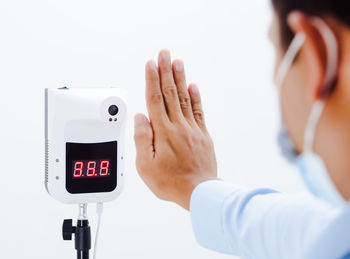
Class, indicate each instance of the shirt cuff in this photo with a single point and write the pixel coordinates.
(206, 207)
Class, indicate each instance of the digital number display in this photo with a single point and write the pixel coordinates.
(91, 168)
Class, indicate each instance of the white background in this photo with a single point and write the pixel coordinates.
(54, 43)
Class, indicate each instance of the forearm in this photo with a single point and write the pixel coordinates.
(258, 223)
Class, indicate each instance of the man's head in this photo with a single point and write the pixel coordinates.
(305, 80)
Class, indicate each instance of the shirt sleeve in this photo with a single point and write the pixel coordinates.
(259, 223)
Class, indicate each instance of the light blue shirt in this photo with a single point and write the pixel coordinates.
(263, 223)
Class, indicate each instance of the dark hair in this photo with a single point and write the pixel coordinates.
(339, 9)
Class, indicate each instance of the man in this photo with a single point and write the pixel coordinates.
(175, 154)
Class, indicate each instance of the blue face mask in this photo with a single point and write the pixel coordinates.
(311, 166)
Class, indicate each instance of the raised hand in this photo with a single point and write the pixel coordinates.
(174, 150)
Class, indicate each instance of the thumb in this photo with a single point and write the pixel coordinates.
(143, 136)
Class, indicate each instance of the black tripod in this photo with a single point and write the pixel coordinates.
(81, 231)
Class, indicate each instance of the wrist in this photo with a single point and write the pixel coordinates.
(188, 186)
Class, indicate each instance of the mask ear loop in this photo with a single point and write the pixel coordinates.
(330, 76)
(282, 72)
(288, 59)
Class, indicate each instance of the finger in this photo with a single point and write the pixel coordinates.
(197, 109)
(168, 86)
(143, 137)
(184, 97)
(154, 97)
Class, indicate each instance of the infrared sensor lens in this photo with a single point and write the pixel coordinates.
(113, 110)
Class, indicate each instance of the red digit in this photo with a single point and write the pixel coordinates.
(91, 168)
(104, 168)
(78, 169)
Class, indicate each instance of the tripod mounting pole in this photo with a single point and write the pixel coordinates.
(82, 233)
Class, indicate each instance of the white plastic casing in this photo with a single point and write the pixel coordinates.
(80, 115)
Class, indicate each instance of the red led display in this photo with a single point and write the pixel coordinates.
(78, 169)
(91, 168)
(104, 168)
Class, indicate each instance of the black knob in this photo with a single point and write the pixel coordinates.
(67, 229)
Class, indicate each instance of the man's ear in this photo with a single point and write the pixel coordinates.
(313, 53)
